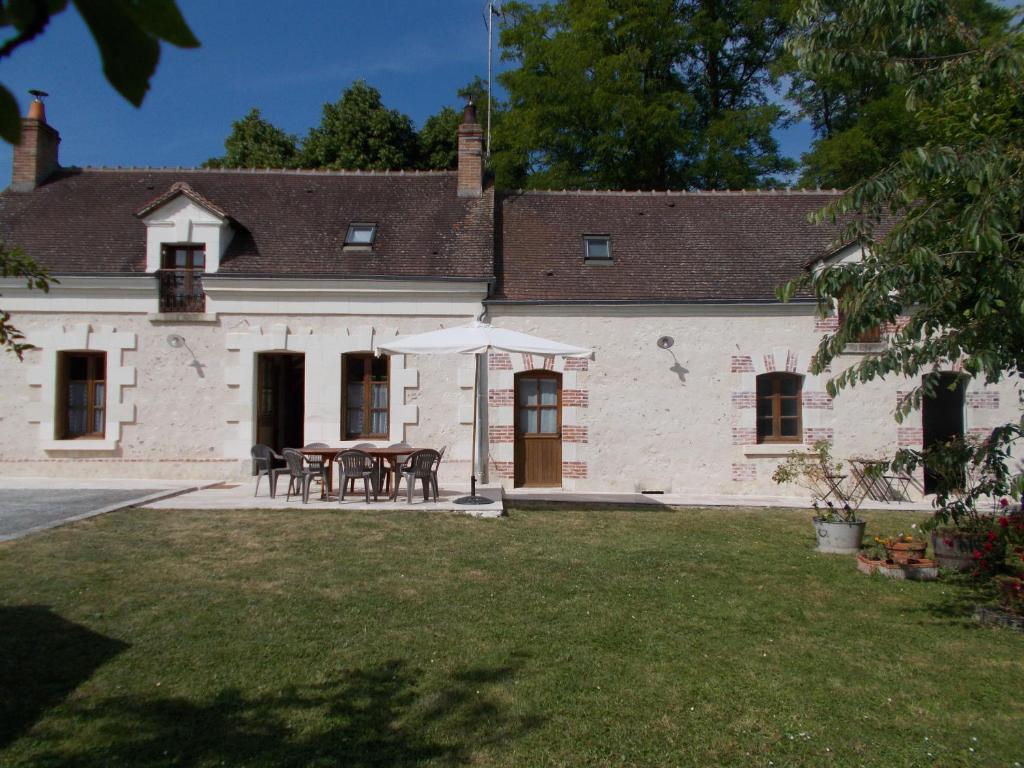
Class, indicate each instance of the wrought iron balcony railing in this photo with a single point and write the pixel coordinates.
(181, 290)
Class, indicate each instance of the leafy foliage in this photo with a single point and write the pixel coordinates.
(14, 262)
(826, 478)
(946, 271)
(256, 143)
(127, 32)
(358, 131)
(655, 93)
(859, 113)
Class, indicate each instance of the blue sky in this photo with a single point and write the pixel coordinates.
(288, 59)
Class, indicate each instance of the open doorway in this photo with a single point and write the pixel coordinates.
(942, 418)
(280, 399)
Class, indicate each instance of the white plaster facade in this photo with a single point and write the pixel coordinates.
(643, 418)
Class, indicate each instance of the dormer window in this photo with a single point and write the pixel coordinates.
(597, 249)
(361, 235)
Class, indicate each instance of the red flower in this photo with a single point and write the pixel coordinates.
(948, 541)
(988, 546)
(1004, 521)
(992, 536)
(977, 554)
(1003, 502)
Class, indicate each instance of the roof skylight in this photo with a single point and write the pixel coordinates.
(361, 234)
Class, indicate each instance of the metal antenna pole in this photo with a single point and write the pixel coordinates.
(490, 23)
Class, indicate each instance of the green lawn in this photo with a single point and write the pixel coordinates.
(321, 638)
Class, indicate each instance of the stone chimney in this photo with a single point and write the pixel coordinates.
(35, 157)
(471, 154)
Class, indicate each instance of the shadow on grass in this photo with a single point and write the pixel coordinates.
(43, 658)
(379, 716)
(954, 600)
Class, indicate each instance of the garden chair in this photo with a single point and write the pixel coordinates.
(358, 447)
(421, 465)
(399, 461)
(300, 475)
(317, 462)
(353, 465)
(269, 463)
(433, 472)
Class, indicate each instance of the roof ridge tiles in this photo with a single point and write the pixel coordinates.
(677, 192)
(281, 171)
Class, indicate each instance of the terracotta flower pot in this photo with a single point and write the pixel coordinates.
(905, 551)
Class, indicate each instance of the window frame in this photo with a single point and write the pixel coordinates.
(356, 225)
(776, 378)
(63, 404)
(368, 410)
(587, 240)
(535, 411)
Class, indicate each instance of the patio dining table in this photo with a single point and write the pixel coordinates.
(390, 455)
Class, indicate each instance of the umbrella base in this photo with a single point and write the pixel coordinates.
(473, 500)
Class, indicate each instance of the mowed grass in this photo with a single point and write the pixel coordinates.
(604, 638)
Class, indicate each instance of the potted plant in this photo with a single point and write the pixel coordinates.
(903, 547)
(969, 472)
(837, 527)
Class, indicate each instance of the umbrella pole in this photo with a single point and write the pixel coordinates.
(473, 498)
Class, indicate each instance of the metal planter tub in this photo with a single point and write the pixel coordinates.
(839, 538)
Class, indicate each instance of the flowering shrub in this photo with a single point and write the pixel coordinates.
(1003, 545)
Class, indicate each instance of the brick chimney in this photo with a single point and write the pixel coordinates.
(471, 154)
(35, 156)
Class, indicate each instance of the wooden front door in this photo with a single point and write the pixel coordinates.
(280, 399)
(538, 447)
(942, 419)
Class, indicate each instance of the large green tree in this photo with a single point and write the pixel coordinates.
(642, 93)
(439, 135)
(859, 115)
(256, 143)
(359, 132)
(947, 269)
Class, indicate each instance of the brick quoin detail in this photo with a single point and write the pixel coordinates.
(814, 434)
(791, 362)
(819, 400)
(528, 362)
(575, 398)
(576, 470)
(909, 436)
(742, 472)
(828, 324)
(505, 469)
(744, 400)
(979, 433)
(742, 364)
(549, 363)
(577, 364)
(890, 329)
(769, 363)
(744, 436)
(499, 361)
(573, 434)
(982, 399)
(499, 397)
(500, 434)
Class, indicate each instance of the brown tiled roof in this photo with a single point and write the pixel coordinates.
(287, 222)
(180, 188)
(666, 246)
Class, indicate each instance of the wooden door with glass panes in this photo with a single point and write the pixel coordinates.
(538, 434)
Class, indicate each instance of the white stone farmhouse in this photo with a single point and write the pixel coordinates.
(201, 311)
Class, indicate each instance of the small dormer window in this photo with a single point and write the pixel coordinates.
(597, 249)
(361, 234)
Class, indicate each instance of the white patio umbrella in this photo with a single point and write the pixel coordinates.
(476, 339)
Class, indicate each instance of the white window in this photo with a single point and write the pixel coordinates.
(361, 234)
(597, 248)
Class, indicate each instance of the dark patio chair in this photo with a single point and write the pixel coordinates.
(399, 461)
(300, 474)
(421, 465)
(353, 465)
(358, 447)
(268, 463)
(433, 472)
(317, 462)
